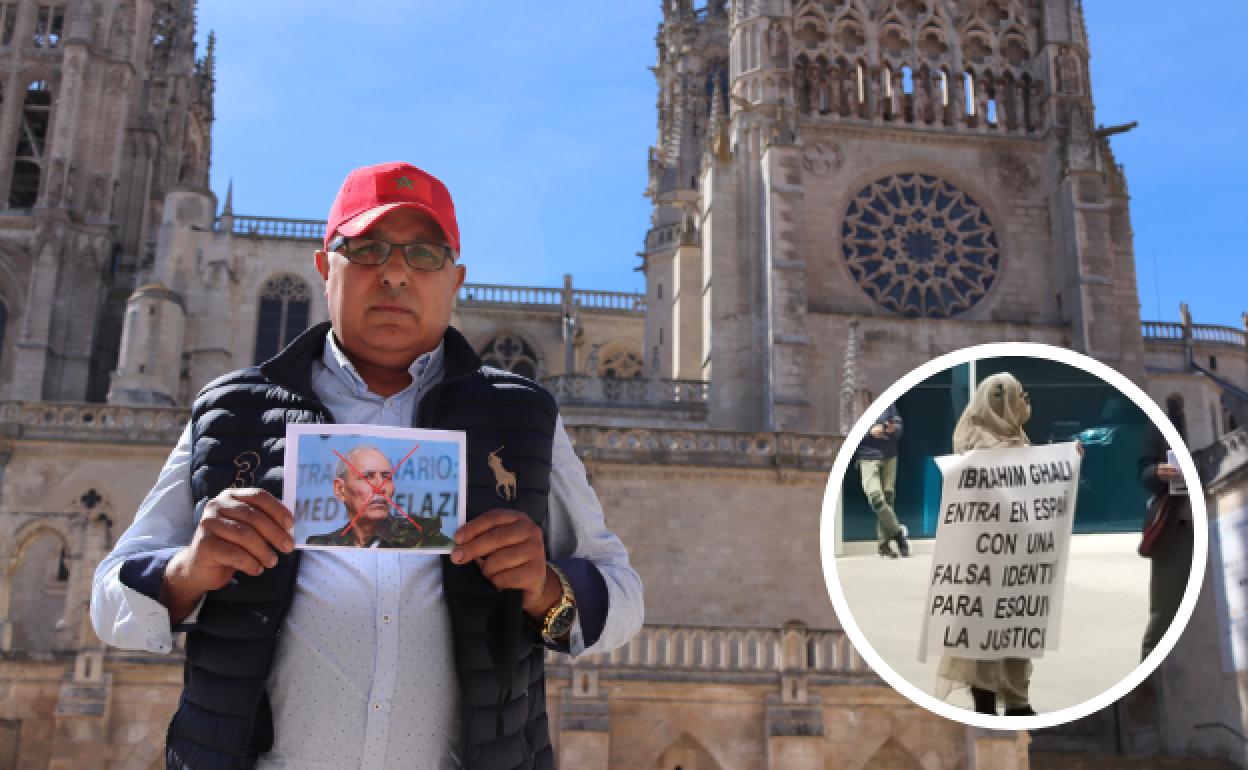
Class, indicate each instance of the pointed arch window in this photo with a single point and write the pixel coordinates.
(8, 22)
(511, 353)
(284, 304)
(1174, 410)
(49, 24)
(32, 134)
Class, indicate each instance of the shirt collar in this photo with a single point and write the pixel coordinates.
(425, 368)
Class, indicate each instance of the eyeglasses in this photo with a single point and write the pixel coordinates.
(425, 257)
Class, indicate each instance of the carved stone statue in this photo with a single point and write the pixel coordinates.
(98, 199)
(851, 92)
(832, 89)
(873, 96)
(1067, 72)
(957, 102)
(777, 45)
(1005, 105)
(56, 180)
(801, 83)
(822, 103)
(920, 99)
(1035, 103)
(591, 363)
(1021, 107)
(981, 103)
(895, 107)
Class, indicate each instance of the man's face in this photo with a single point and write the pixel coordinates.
(365, 492)
(389, 314)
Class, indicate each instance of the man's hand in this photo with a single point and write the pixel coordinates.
(877, 431)
(239, 531)
(1167, 472)
(508, 548)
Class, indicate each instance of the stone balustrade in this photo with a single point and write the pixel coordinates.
(627, 391)
(1161, 330)
(102, 423)
(1221, 335)
(1208, 334)
(57, 421)
(551, 297)
(732, 650)
(498, 294)
(276, 228)
(705, 448)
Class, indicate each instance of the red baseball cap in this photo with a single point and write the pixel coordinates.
(369, 193)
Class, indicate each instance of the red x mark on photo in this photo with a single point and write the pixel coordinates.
(377, 489)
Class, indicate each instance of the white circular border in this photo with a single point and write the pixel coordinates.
(827, 535)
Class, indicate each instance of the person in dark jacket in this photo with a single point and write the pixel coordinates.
(367, 657)
(877, 464)
(1170, 554)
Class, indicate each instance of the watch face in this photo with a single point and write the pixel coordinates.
(561, 623)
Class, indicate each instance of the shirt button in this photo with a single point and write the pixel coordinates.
(376, 707)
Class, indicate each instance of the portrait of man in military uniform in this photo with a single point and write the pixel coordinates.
(364, 484)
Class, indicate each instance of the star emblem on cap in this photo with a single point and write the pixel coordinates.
(404, 181)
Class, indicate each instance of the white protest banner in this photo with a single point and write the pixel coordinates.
(999, 565)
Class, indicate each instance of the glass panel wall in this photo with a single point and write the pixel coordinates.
(1067, 403)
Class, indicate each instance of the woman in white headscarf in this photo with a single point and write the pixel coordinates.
(993, 420)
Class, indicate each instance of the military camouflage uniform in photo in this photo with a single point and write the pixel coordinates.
(394, 532)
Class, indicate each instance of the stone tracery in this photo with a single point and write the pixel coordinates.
(988, 44)
(920, 246)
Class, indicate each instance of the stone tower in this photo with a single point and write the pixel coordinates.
(928, 168)
(104, 112)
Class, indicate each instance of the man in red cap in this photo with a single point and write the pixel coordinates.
(365, 657)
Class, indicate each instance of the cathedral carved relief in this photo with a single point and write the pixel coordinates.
(919, 246)
(935, 64)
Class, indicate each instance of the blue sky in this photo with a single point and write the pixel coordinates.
(538, 116)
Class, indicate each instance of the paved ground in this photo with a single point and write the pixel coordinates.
(1103, 618)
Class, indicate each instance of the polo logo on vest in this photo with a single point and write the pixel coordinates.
(504, 480)
(247, 463)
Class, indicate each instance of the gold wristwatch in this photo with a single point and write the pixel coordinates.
(559, 619)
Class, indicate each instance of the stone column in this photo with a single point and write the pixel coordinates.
(31, 351)
(784, 270)
(82, 711)
(794, 718)
(584, 723)
(996, 749)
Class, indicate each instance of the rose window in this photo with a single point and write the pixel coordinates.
(919, 246)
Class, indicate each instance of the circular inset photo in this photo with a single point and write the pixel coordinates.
(1014, 535)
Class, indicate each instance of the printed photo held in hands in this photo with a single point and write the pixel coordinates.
(365, 486)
